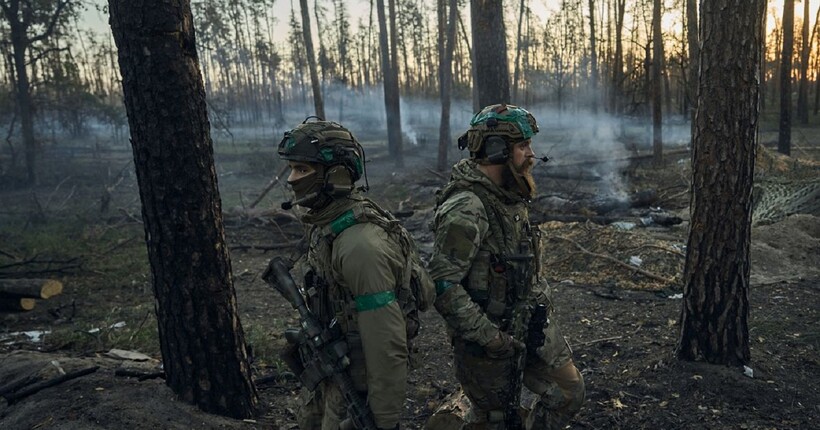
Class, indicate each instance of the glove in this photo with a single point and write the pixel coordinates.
(503, 346)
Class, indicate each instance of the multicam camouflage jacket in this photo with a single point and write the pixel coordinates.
(486, 256)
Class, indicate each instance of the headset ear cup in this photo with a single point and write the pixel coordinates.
(496, 150)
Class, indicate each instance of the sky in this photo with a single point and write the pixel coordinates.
(360, 9)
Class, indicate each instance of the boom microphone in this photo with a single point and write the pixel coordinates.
(290, 204)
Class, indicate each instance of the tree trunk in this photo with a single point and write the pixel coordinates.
(448, 43)
(803, 85)
(657, 63)
(694, 53)
(318, 103)
(491, 69)
(19, 22)
(715, 313)
(617, 62)
(593, 55)
(516, 93)
(784, 141)
(391, 87)
(203, 347)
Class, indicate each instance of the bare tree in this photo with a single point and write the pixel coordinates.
(318, 104)
(715, 313)
(617, 60)
(593, 57)
(657, 64)
(784, 140)
(490, 60)
(447, 42)
(694, 53)
(391, 85)
(21, 16)
(203, 346)
(803, 85)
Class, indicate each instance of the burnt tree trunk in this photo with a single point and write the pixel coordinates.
(202, 342)
(492, 74)
(715, 314)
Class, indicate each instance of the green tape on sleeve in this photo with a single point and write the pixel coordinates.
(442, 286)
(370, 302)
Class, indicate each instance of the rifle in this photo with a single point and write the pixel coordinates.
(519, 275)
(324, 349)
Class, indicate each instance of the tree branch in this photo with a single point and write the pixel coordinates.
(52, 23)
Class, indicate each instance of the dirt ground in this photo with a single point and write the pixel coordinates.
(623, 325)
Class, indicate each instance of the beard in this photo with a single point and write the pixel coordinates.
(519, 178)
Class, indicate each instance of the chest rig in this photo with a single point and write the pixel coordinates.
(331, 300)
(506, 266)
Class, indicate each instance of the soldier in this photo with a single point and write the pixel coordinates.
(486, 269)
(364, 274)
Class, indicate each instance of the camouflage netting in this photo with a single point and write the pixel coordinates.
(565, 261)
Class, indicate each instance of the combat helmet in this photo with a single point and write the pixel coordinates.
(337, 155)
(494, 130)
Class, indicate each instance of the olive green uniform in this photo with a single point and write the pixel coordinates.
(481, 232)
(361, 266)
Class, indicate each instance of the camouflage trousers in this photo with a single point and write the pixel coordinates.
(550, 374)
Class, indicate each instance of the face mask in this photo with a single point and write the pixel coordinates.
(310, 184)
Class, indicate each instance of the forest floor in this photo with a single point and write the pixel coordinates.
(622, 324)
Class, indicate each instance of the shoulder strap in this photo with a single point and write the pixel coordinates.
(368, 212)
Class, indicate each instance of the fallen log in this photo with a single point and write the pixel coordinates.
(16, 385)
(12, 398)
(30, 288)
(16, 304)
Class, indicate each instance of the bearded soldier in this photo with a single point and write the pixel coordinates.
(364, 276)
(486, 269)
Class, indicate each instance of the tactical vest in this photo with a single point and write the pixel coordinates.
(414, 290)
(507, 263)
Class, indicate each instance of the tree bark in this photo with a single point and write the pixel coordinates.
(490, 51)
(318, 103)
(201, 338)
(784, 140)
(715, 313)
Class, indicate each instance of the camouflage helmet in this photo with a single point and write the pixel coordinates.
(323, 142)
(511, 124)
